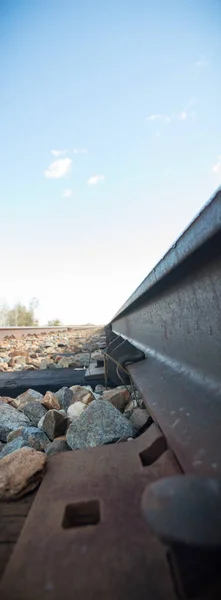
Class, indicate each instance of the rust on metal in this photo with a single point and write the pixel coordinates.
(86, 536)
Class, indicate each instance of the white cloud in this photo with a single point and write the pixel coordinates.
(183, 115)
(186, 113)
(58, 168)
(201, 63)
(58, 153)
(95, 179)
(67, 193)
(217, 167)
(159, 117)
(80, 151)
(153, 118)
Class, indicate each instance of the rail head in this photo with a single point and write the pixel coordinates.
(201, 230)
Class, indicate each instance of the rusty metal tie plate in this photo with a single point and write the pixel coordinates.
(86, 536)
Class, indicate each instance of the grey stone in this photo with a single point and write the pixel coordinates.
(18, 442)
(10, 419)
(54, 424)
(48, 344)
(65, 397)
(40, 422)
(5, 359)
(100, 423)
(44, 364)
(67, 362)
(87, 347)
(140, 418)
(97, 396)
(35, 437)
(14, 434)
(83, 359)
(34, 411)
(57, 446)
(99, 389)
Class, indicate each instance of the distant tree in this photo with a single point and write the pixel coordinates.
(3, 314)
(33, 304)
(19, 315)
(54, 323)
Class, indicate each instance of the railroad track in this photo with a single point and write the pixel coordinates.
(22, 331)
(142, 519)
(16, 382)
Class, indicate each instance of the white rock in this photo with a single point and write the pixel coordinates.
(76, 409)
(20, 360)
(97, 396)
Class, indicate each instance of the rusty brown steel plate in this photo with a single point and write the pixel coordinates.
(85, 536)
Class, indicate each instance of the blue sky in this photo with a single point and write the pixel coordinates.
(127, 95)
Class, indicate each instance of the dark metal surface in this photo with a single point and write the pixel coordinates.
(86, 536)
(16, 382)
(185, 510)
(196, 572)
(119, 354)
(185, 513)
(175, 318)
(94, 374)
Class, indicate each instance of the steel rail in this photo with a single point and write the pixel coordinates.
(174, 317)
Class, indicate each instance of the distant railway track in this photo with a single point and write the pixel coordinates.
(21, 331)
